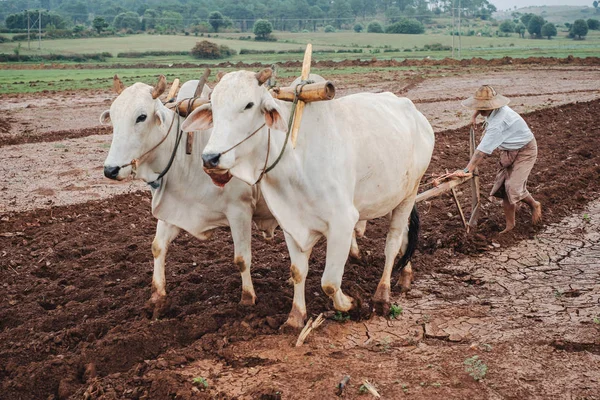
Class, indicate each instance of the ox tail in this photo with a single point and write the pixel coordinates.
(413, 236)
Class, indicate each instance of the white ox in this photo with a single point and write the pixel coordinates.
(357, 158)
(186, 198)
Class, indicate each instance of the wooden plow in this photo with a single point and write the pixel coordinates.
(448, 184)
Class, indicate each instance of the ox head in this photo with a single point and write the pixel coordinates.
(135, 115)
(240, 105)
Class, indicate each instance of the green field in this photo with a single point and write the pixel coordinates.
(381, 46)
(554, 14)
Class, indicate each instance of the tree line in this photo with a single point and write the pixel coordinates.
(287, 15)
(538, 27)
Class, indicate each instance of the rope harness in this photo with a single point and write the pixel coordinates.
(155, 184)
(266, 169)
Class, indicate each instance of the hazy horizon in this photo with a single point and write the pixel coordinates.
(506, 4)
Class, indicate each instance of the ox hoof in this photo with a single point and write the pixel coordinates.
(295, 321)
(159, 305)
(381, 300)
(406, 278)
(248, 299)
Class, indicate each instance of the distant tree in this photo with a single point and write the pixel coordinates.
(507, 26)
(521, 29)
(315, 12)
(548, 30)
(341, 12)
(329, 29)
(595, 4)
(127, 20)
(75, 9)
(568, 25)
(579, 28)
(593, 24)
(534, 27)
(375, 27)
(171, 20)
(358, 28)
(150, 18)
(393, 14)
(262, 29)
(19, 20)
(99, 24)
(525, 18)
(216, 20)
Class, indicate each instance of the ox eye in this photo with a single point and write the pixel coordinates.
(249, 106)
(141, 118)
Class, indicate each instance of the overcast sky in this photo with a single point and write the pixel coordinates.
(504, 4)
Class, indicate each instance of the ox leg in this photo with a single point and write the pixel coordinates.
(298, 272)
(359, 231)
(339, 241)
(165, 234)
(241, 232)
(395, 237)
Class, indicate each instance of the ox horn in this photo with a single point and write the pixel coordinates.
(264, 75)
(220, 75)
(160, 87)
(118, 86)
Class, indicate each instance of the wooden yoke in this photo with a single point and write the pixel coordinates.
(300, 106)
(190, 135)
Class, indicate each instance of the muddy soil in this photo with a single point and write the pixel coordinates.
(33, 141)
(75, 279)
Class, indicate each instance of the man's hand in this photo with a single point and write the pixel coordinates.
(474, 117)
(460, 174)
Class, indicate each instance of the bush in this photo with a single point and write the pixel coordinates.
(20, 37)
(358, 28)
(593, 24)
(210, 50)
(4, 39)
(55, 57)
(410, 26)
(507, 26)
(375, 27)
(127, 20)
(141, 54)
(436, 47)
(329, 29)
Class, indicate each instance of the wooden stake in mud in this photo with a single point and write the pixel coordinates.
(475, 189)
(301, 104)
(173, 91)
(190, 135)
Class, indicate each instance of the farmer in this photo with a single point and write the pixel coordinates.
(507, 131)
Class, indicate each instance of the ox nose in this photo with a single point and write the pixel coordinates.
(211, 160)
(111, 172)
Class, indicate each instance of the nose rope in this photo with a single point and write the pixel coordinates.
(136, 161)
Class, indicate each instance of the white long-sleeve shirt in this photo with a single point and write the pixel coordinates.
(506, 130)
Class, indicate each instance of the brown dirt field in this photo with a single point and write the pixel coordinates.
(75, 280)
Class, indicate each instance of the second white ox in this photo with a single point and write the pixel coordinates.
(145, 130)
(357, 158)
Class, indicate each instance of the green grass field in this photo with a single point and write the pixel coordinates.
(372, 45)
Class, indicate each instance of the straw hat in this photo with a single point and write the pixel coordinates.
(486, 98)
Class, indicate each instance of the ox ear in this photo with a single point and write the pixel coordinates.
(105, 117)
(273, 115)
(200, 119)
(118, 85)
(220, 75)
(263, 76)
(160, 87)
(160, 117)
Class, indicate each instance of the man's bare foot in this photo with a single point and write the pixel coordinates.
(536, 213)
(507, 229)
